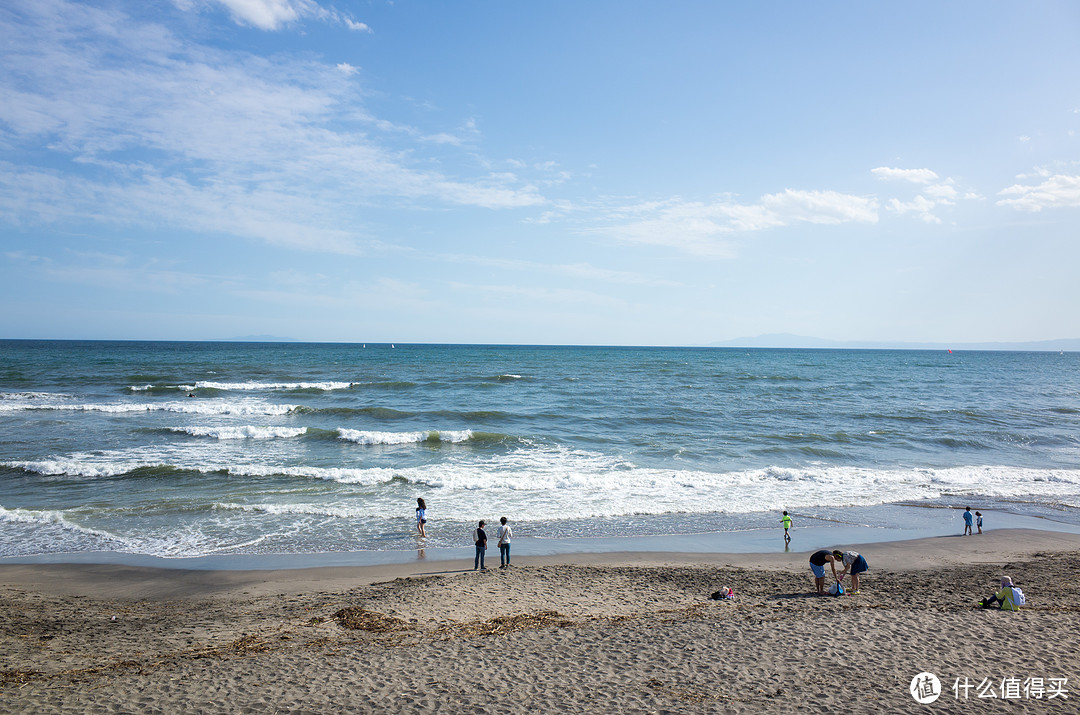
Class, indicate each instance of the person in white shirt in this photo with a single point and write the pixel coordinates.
(504, 534)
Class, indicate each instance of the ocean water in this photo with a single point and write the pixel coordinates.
(196, 449)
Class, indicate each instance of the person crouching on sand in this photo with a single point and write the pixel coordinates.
(817, 565)
(855, 564)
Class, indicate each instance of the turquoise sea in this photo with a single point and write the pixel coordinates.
(198, 449)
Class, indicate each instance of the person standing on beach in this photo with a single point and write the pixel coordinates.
(421, 516)
(978, 520)
(786, 521)
(967, 521)
(817, 565)
(855, 564)
(480, 537)
(503, 533)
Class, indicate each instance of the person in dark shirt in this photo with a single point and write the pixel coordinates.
(817, 565)
(480, 537)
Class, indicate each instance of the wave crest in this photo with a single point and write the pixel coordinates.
(368, 437)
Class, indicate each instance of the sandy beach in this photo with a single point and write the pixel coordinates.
(616, 632)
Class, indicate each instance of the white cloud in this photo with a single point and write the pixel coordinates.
(916, 176)
(920, 206)
(273, 15)
(583, 271)
(703, 229)
(267, 14)
(356, 26)
(936, 192)
(121, 273)
(826, 207)
(347, 69)
(154, 130)
(1056, 191)
(148, 199)
(944, 193)
(569, 297)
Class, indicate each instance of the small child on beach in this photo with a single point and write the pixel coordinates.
(967, 521)
(421, 516)
(978, 520)
(786, 521)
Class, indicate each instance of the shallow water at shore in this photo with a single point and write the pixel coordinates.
(808, 535)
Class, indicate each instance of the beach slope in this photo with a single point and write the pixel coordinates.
(627, 632)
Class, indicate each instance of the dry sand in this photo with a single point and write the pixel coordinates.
(629, 632)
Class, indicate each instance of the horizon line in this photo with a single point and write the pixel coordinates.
(1061, 344)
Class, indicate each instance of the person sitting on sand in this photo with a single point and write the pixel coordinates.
(1009, 598)
(817, 565)
(855, 564)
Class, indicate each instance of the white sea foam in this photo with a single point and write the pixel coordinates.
(80, 467)
(243, 432)
(547, 482)
(248, 386)
(51, 517)
(368, 437)
(299, 508)
(193, 407)
(31, 395)
(344, 475)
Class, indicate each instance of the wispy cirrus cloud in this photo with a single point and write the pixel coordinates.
(935, 192)
(542, 295)
(703, 228)
(118, 120)
(275, 14)
(1053, 191)
(567, 270)
(916, 176)
(114, 272)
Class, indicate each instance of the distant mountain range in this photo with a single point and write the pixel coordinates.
(787, 340)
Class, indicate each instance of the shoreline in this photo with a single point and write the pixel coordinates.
(809, 533)
(116, 580)
(585, 632)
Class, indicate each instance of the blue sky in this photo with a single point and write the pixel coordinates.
(609, 172)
